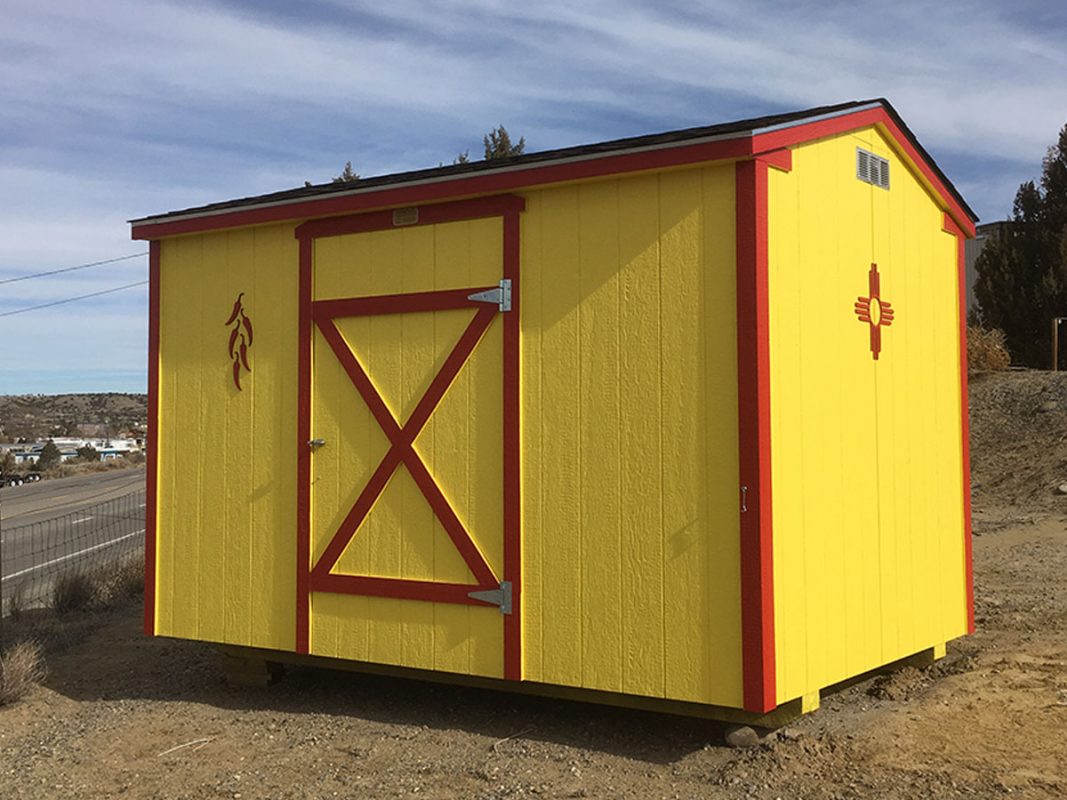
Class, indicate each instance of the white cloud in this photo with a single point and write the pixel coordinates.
(115, 109)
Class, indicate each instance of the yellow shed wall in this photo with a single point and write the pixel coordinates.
(866, 455)
(629, 436)
(629, 442)
(226, 569)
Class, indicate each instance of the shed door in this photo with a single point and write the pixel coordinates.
(407, 435)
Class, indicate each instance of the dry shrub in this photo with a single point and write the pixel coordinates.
(120, 580)
(21, 668)
(73, 591)
(986, 351)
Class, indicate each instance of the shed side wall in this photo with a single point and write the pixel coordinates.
(630, 516)
(227, 464)
(867, 463)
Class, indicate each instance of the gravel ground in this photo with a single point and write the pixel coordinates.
(124, 715)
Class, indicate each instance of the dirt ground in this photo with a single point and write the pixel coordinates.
(124, 715)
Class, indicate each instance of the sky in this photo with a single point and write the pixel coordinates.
(117, 109)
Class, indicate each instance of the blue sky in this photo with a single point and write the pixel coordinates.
(112, 109)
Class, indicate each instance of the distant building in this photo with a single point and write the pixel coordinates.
(26, 453)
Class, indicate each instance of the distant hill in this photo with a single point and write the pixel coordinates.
(36, 416)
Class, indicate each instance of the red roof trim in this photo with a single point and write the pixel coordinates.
(738, 146)
(833, 126)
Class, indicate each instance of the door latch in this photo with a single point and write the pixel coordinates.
(313, 443)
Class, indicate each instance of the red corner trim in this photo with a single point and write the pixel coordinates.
(152, 442)
(303, 458)
(753, 377)
(949, 226)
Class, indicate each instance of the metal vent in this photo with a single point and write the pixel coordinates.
(405, 216)
(871, 168)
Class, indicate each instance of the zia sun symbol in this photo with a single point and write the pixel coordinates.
(240, 339)
(874, 311)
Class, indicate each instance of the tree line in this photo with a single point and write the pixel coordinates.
(1021, 282)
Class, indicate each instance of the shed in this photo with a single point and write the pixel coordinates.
(676, 421)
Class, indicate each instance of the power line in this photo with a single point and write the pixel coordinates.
(72, 299)
(71, 269)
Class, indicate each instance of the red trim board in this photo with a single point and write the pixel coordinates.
(949, 226)
(516, 178)
(512, 452)
(303, 460)
(151, 502)
(753, 397)
(321, 313)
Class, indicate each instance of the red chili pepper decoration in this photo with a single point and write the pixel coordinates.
(240, 339)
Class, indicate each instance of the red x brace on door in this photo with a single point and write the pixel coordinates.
(401, 451)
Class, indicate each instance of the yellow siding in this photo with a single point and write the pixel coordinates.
(630, 436)
(629, 426)
(866, 455)
(227, 489)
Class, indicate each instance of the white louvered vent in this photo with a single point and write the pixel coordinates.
(871, 168)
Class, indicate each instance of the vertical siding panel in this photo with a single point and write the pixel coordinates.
(179, 519)
(561, 426)
(450, 454)
(418, 363)
(239, 412)
(599, 411)
(787, 289)
(893, 361)
(687, 615)
(215, 393)
(641, 416)
(720, 457)
(386, 519)
(533, 500)
(271, 555)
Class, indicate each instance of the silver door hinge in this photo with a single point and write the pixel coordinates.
(500, 295)
(498, 597)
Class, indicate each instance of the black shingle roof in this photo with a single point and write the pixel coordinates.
(755, 124)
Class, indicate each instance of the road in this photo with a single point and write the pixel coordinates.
(49, 527)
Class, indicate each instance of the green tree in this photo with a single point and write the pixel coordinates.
(347, 175)
(498, 144)
(49, 456)
(88, 453)
(8, 464)
(1022, 269)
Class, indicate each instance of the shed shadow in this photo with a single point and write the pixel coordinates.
(115, 662)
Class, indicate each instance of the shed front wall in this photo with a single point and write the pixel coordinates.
(225, 554)
(869, 553)
(629, 442)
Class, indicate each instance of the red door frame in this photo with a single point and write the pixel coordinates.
(320, 313)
